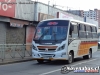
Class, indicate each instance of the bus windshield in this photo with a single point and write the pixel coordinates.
(52, 30)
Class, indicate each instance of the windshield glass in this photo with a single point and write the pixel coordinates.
(52, 31)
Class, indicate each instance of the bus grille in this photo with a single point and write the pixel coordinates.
(50, 48)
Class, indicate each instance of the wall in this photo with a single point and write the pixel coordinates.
(86, 19)
(4, 19)
(66, 15)
(99, 18)
(30, 30)
(24, 11)
(15, 35)
(42, 16)
(43, 8)
(2, 33)
(7, 9)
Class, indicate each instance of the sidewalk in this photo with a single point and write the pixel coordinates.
(9, 59)
(15, 60)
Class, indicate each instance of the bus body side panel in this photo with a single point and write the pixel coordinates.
(74, 46)
(82, 47)
(94, 46)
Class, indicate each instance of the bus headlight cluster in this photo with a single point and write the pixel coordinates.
(34, 47)
(61, 48)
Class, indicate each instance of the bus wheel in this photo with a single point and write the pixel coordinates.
(70, 59)
(88, 56)
(48, 60)
(40, 61)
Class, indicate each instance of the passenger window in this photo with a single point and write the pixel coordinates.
(88, 31)
(94, 32)
(81, 27)
(82, 31)
(95, 29)
(70, 30)
(75, 31)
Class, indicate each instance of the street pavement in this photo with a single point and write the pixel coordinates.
(49, 68)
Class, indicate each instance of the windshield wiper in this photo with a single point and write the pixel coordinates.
(43, 34)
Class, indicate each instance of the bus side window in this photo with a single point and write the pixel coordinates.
(70, 30)
(88, 31)
(91, 31)
(94, 32)
(96, 36)
(95, 29)
(82, 31)
(75, 31)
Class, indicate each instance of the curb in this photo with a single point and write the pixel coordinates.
(15, 61)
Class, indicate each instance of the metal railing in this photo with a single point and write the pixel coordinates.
(11, 51)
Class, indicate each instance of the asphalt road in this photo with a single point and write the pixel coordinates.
(48, 68)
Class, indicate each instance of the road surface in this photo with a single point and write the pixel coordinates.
(48, 68)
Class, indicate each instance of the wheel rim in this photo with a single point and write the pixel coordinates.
(70, 58)
(90, 55)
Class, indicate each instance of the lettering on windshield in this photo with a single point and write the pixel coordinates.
(52, 23)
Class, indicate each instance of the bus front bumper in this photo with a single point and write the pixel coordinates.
(59, 55)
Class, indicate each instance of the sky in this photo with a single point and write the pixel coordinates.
(74, 4)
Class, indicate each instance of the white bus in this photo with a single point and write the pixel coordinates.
(61, 39)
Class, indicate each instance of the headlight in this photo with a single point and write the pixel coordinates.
(34, 47)
(61, 48)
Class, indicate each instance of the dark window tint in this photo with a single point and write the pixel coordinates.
(88, 28)
(75, 31)
(94, 32)
(88, 31)
(82, 31)
(81, 27)
(93, 29)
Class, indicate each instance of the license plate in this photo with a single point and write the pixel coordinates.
(47, 57)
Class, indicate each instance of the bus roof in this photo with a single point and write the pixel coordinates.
(70, 21)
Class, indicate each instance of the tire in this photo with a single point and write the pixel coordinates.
(48, 60)
(40, 61)
(70, 59)
(88, 56)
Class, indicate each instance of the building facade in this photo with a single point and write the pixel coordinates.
(93, 15)
(98, 15)
(17, 23)
(76, 12)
